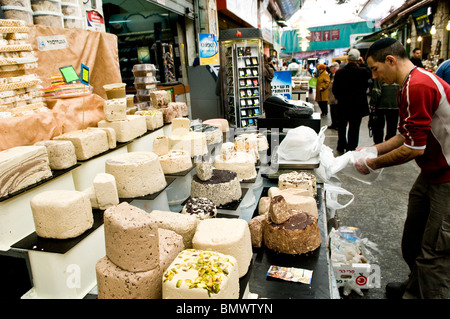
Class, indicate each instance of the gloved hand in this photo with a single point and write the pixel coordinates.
(362, 167)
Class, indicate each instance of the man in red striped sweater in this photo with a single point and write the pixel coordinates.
(424, 135)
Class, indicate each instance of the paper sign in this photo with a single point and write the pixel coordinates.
(52, 42)
(290, 274)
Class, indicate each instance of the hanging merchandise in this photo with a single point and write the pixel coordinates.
(241, 72)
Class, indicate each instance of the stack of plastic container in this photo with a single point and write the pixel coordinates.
(17, 10)
(73, 16)
(47, 12)
(144, 82)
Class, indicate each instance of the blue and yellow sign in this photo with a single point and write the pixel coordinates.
(209, 48)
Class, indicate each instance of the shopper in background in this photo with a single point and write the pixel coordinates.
(416, 58)
(269, 73)
(331, 98)
(350, 89)
(293, 67)
(383, 104)
(424, 110)
(323, 82)
(443, 71)
(274, 59)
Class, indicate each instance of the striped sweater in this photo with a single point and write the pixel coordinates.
(424, 111)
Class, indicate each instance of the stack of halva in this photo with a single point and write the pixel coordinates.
(126, 127)
(288, 220)
(61, 214)
(159, 100)
(137, 252)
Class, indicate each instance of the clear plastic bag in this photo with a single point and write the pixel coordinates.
(330, 165)
(365, 153)
(301, 143)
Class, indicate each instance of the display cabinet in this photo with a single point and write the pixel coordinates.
(242, 75)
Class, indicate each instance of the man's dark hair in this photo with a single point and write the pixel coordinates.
(416, 49)
(381, 48)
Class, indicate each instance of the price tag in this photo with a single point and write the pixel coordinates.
(69, 74)
(84, 74)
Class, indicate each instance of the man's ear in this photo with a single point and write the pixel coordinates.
(390, 59)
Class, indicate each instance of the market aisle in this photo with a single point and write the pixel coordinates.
(379, 211)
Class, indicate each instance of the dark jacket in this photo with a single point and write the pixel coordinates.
(269, 74)
(417, 62)
(350, 89)
(384, 96)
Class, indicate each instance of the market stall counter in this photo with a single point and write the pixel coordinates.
(315, 264)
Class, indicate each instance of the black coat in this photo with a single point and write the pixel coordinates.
(350, 89)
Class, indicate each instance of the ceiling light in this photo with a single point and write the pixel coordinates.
(408, 40)
(433, 29)
(448, 26)
(419, 38)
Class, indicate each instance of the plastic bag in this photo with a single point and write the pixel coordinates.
(330, 165)
(347, 248)
(312, 82)
(332, 192)
(301, 143)
(365, 153)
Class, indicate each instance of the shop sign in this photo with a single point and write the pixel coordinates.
(335, 35)
(326, 35)
(422, 21)
(282, 84)
(95, 21)
(209, 49)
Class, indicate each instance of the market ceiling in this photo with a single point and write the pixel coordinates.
(310, 13)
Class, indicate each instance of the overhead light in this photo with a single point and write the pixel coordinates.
(433, 29)
(448, 26)
(408, 40)
(419, 38)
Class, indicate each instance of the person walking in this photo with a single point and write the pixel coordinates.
(323, 82)
(331, 98)
(383, 105)
(350, 89)
(424, 111)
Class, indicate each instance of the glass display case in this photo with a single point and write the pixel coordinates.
(242, 75)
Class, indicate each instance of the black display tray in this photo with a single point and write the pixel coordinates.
(246, 181)
(317, 261)
(58, 246)
(55, 174)
(230, 206)
(182, 173)
(118, 145)
(152, 196)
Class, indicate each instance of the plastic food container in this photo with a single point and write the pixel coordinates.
(18, 13)
(144, 70)
(46, 6)
(71, 9)
(143, 95)
(74, 22)
(144, 83)
(48, 18)
(115, 90)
